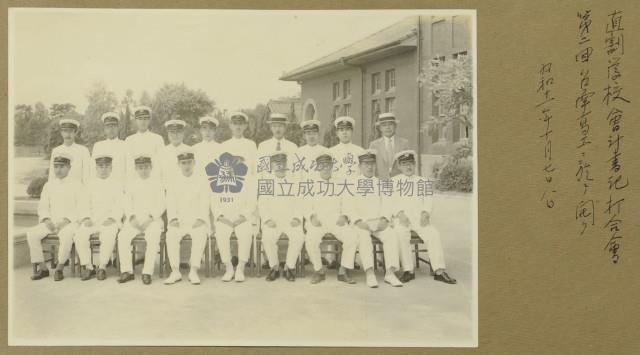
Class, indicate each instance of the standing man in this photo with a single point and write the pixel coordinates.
(277, 143)
(142, 141)
(111, 145)
(304, 158)
(233, 201)
(144, 205)
(188, 214)
(388, 145)
(102, 212)
(81, 167)
(208, 149)
(345, 152)
(413, 212)
(328, 212)
(58, 212)
(279, 217)
(371, 219)
(169, 170)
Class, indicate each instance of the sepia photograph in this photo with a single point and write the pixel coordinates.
(242, 178)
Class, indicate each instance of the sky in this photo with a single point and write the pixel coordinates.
(235, 56)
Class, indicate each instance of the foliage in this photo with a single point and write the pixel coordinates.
(100, 100)
(30, 126)
(451, 84)
(36, 185)
(455, 172)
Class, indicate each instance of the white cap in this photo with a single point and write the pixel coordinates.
(405, 153)
(387, 117)
(110, 115)
(208, 119)
(342, 119)
(238, 114)
(69, 121)
(179, 123)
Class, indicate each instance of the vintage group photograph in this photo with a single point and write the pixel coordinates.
(242, 177)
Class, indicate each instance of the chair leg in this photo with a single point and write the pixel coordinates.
(117, 259)
(417, 252)
(206, 259)
(375, 257)
(161, 267)
(259, 257)
(72, 260)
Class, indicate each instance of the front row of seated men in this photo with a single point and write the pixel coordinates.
(75, 212)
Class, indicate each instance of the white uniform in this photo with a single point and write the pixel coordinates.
(80, 162)
(233, 205)
(187, 201)
(104, 199)
(143, 199)
(147, 142)
(346, 156)
(281, 208)
(369, 208)
(412, 205)
(60, 199)
(116, 148)
(266, 148)
(168, 158)
(205, 153)
(327, 208)
(304, 160)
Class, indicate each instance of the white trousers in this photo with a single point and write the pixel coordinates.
(223, 238)
(431, 238)
(151, 236)
(389, 240)
(198, 243)
(270, 238)
(65, 237)
(345, 234)
(107, 239)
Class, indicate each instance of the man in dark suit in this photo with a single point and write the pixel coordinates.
(388, 145)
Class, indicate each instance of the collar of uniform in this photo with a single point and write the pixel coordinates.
(388, 139)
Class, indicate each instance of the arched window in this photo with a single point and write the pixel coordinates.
(309, 111)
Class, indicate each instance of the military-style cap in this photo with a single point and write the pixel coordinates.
(324, 157)
(62, 158)
(174, 125)
(104, 158)
(344, 122)
(110, 118)
(142, 159)
(238, 117)
(278, 157)
(69, 123)
(185, 154)
(142, 112)
(405, 155)
(277, 118)
(310, 126)
(387, 117)
(368, 155)
(208, 120)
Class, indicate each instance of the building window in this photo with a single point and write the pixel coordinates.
(390, 79)
(346, 109)
(336, 91)
(346, 89)
(375, 109)
(375, 83)
(389, 102)
(336, 111)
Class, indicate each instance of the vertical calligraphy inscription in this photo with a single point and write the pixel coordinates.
(544, 113)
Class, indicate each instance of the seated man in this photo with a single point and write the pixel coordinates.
(58, 211)
(371, 217)
(413, 212)
(144, 205)
(279, 216)
(103, 211)
(188, 214)
(326, 212)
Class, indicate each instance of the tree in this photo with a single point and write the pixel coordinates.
(127, 127)
(173, 101)
(101, 100)
(22, 117)
(451, 84)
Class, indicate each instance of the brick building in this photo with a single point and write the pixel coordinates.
(379, 74)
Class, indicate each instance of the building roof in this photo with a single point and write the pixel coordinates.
(397, 37)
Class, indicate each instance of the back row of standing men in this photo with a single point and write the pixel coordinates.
(158, 176)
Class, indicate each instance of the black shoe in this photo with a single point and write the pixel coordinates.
(289, 275)
(317, 277)
(124, 277)
(58, 275)
(87, 274)
(146, 279)
(102, 274)
(333, 265)
(40, 274)
(273, 274)
(444, 277)
(346, 278)
(407, 276)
